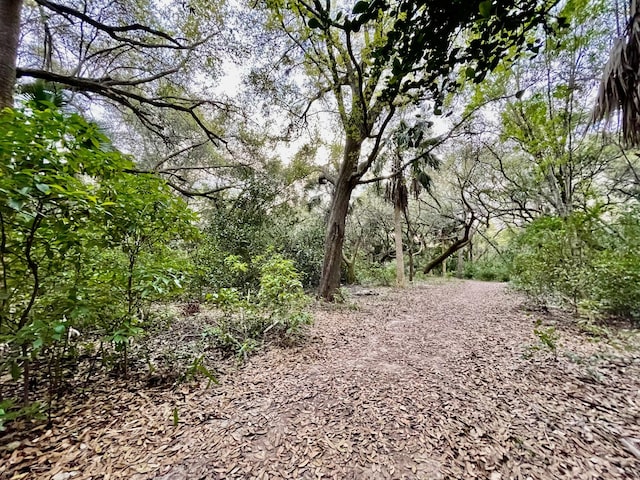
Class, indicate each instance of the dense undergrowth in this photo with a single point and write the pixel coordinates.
(94, 254)
(589, 262)
(89, 249)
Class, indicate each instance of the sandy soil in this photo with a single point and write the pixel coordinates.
(437, 381)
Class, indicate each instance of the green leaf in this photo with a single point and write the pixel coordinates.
(15, 204)
(15, 370)
(485, 8)
(360, 7)
(175, 417)
(43, 187)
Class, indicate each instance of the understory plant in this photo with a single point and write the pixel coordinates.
(588, 261)
(275, 312)
(85, 247)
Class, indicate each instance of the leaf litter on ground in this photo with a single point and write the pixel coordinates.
(436, 381)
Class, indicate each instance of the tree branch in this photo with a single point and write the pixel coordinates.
(366, 165)
(124, 97)
(195, 193)
(113, 31)
(455, 246)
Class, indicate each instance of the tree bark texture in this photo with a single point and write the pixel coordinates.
(460, 266)
(334, 240)
(397, 223)
(350, 264)
(351, 277)
(9, 37)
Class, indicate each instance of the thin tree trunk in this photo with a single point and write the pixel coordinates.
(412, 269)
(351, 276)
(460, 266)
(9, 37)
(444, 267)
(397, 221)
(334, 240)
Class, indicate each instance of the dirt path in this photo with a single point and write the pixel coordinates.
(427, 383)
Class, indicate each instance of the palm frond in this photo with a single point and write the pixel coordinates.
(619, 91)
(42, 94)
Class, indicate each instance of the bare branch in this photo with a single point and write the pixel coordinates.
(126, 98)
(114, 31)
(195, 193)
(436, 141)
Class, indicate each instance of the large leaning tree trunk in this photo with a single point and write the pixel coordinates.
(458, 244)
(334, 239)
(9, 37)
(620, 87)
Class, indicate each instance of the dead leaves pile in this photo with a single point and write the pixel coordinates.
(434, 382)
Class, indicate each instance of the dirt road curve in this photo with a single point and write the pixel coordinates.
(433, 382)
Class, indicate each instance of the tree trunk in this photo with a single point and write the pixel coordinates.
(440, 260)
(9, 37)
(350, 264)
(397, 222)
(444, 267)
(460, 266)
(351, 277)
(334, 240)
(412, 270)
(455, 246)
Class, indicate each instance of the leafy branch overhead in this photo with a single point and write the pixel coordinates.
(424, 42)
(128, 57)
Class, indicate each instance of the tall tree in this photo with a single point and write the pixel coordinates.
(544, 162)
(372, 58)
(407, 141)
(9, 35)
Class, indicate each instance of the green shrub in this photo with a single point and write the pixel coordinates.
(616, 267)
(588, 260)
(304, 244)
(376, 274)
(550, 258)
(275, 312)
(491, 269)
(86, 245)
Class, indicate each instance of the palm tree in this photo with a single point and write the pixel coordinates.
(42, 94)
(398, 194)
(620, 87)
(408, 139)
